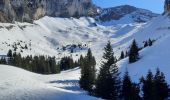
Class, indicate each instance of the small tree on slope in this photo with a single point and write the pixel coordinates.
(133, 54)
(108, 81)
(122, 56)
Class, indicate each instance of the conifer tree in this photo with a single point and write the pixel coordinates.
(150, 42)
(108, 81)
(88, 74)
(133, 54)
(135, 92)
(10, 57)
(155, 87)
(127, 87)
(161, 91)
(9, 54)
(122, 56)
(146, 44)
(126, 54)
(130, 91)
(148, 85)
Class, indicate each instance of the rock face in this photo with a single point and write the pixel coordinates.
(167, 6)
(28, 10)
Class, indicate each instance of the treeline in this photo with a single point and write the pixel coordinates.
(68, 63)
(108, 84)
(39, 64)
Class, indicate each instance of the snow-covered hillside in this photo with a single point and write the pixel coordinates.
(18, 84)
(154, 57)
(57, 36)
(124, 14)
(49, 35)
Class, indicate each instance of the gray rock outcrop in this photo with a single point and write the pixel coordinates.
(29, 10)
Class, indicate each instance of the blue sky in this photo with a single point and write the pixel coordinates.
(153, 5)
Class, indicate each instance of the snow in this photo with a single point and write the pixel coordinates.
(18, 84)
(134, 15)
(48, 34)
(156, 56)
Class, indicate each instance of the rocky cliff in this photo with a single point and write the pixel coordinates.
(167, 6)
(28, 10)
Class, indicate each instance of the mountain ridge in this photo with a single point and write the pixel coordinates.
(119, 12)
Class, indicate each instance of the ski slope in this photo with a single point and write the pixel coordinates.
(18, 84)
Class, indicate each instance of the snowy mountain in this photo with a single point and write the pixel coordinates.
(124, 14)
(49, 35)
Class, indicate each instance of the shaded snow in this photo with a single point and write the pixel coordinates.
(18, 84)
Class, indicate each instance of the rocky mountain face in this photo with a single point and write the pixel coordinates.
(167, 6)
(116, 13)
(28, 10)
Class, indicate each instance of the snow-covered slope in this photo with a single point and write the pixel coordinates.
(124, 14)
(50, 35)
(18, 84)
(154, 57)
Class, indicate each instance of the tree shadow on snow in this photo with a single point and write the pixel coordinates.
(68, 84)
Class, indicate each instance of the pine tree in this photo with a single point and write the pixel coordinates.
(80, 61)
(130, 91)
(146, 44)
(122, 56)
(155, 87)
(10, 57)
(150, 42)
(135, 92)
(148, 86)
(108, 81)
(133, 54)
(161, 91)
(126, 54)
(88, 74)
(9, 54)
(127, 87)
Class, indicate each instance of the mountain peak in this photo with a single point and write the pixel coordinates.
(119, 12)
